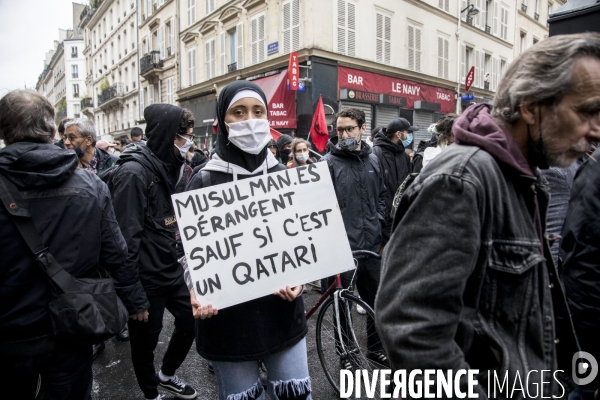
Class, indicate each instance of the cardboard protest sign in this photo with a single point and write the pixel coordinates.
(249, 238)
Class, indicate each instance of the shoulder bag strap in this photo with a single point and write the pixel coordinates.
(60, 279)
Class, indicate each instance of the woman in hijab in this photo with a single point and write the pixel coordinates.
(270, 328)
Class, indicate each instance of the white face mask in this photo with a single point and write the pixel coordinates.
(184, 149)
(251, 135)
(302, 157)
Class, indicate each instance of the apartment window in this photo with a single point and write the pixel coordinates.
(414, 47)
(522, 42)
(142, 101)
(170, 41)
(236, 48)
(191, 12)
(383, 44)
(346, 27)
(76, 110)
(73, 52)
(487, 62)
(466, 61)
(209, 6)
(209, 58)
(443, 62)
(74, 71)
(191, 56)
(76, 90)
(170, 99)
(148, 8)
(291, 26)
(480, 18)
(257, 25)
(550, 6)
(504, 23)
(444, 5)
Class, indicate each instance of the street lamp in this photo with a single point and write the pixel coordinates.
(471, 11)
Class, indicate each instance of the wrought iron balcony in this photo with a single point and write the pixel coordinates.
(488, 29)
(150, 61)
(232, 67)
(536, 16)
(86, 102)
(113, 92)
(486, 85)
(523, 7)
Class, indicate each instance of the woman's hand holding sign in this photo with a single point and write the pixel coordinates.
(200, 311)
(288, 293)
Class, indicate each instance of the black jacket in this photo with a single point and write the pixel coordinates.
(256, 328)
(396, 166)
(141, 185)
(358, 180)
(580, 254)
(485, 294)
(72, 211)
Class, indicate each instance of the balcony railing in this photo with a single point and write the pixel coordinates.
(149, 61)
(470, 20)
(486, 85)
(232, 67)
(536, 16)
(169, 51)
(86, 103)
(115, 90)
(524, 7)
(488, 29)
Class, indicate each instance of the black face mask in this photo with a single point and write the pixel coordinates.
(287, 152)
(79, 152)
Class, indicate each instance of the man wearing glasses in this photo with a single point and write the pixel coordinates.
(141, 186)
(359, 186)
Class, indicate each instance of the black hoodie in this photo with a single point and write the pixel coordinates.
(396, 165)
(73, 214)
(141, 188)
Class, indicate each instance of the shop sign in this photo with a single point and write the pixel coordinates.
(400, 92)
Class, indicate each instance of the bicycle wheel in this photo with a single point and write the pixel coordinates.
(354, 338)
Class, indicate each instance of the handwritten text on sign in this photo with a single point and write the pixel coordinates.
(249, 238)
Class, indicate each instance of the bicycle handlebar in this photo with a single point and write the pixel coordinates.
(366, 253)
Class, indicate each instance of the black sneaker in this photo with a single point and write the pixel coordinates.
(176, 387)
(346, 363)
(379, 357)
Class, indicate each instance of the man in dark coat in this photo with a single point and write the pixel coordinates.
(358, 180)
(80, 135)
(485, 294)
(580, 254)
(73, 214)
(141, 189)
(388, 147)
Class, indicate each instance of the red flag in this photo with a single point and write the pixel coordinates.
(275, 134)
(318, 129)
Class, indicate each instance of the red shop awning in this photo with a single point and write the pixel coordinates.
(282, 102)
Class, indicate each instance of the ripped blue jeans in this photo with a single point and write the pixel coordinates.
(287, 377)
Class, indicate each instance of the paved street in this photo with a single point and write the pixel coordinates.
(114, 378)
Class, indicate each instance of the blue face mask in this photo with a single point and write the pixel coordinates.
(408, 140)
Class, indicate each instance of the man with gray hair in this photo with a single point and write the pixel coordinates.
(72, 212)
(80, 135)
(485, 295)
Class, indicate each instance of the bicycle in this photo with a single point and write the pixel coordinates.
(341, 331)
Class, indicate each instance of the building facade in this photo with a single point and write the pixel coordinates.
(532, 22)
(112, 60)
(62, 80)
(390, 59)
(158, 29)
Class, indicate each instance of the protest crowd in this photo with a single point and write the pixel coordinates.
(489, 236)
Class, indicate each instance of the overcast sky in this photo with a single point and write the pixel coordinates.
(28, 29)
